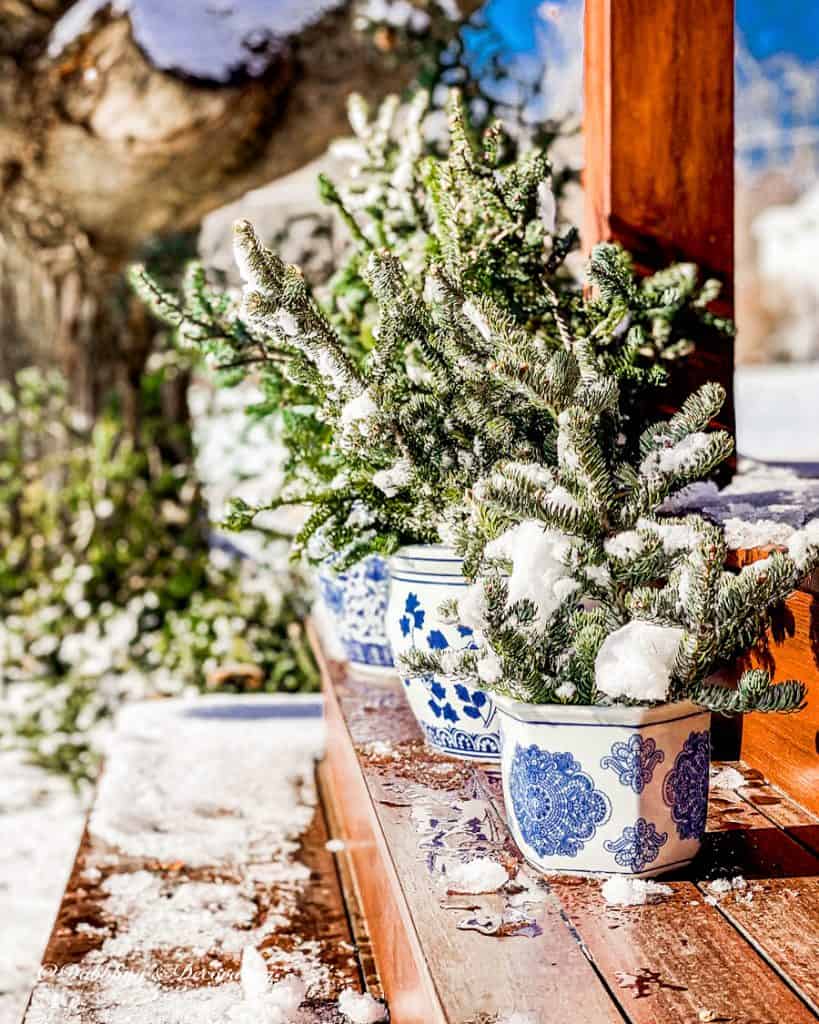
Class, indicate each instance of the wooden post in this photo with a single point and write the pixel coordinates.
(659, 133)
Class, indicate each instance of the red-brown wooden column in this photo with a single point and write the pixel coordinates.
(659, 135)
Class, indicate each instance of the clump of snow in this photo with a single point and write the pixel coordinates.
(472, 608)
(547, 206)
(483, 874)
(356, 414)
(565, 691)
(518, 1018)
(719, 887)
(727, 778)
(379, 748)
(676, 457)
(335, 845)
(264, 1003)
(539, 573)
(361, 1008)
(675, 537)
(391, 480)
(636, 661)
(624, 891)
(490, 667)
(78, 995)
(624, 545)
(801, 541)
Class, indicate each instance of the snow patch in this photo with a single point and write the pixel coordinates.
(361, 1008)
(624, 891)
(539, 573)
(727, 778)
(480, 875)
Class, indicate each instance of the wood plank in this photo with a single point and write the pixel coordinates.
(143, 929)
(684, 954)
(777, 807)
(669, 961)
(659, 132)
(774, 897)
(786, 747)
(409, 816)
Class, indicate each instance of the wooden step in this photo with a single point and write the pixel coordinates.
(189, 856)
(553, 949)
(786, 747)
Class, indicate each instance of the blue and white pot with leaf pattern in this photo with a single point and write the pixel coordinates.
(455, 719)
(611, 790)
(356, 600)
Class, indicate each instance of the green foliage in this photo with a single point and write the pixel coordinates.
(584, 593)
(442, 344)
(107, 587)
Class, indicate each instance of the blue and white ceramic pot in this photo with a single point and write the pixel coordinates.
(614, 790)
(356, 601)
(455, 719)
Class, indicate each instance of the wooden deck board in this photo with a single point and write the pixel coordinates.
(435, 963)
(688, 956)
(178, 949)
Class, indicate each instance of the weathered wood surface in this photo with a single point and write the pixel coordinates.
(659, 131)
(695, 954)
(176, 953)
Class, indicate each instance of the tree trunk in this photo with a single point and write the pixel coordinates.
(100, 151)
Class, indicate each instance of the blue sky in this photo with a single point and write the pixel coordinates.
(768, 26)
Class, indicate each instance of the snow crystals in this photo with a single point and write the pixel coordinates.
(490, 667)
(676, 457)
(624, 891)
(356, 413)
(481, 875)
(391, 480)
(361, 1008)
(636, 660)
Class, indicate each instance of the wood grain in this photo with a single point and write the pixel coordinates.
(431, 968)
(674, 961)
(659, 131)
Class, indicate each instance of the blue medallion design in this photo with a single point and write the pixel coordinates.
(685, 788)
(634, 761)
(555, 803)
(638, 846)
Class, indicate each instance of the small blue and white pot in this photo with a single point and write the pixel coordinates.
(613, 790)
(455, 719)
(356, 600)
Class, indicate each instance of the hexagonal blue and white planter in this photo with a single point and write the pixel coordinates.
(356, 601)
(614, 790)
(456, 719)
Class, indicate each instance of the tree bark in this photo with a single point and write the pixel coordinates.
(100, 151)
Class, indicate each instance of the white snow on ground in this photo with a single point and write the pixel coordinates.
(777, 412)
(41, 822)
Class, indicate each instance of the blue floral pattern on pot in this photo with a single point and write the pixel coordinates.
(357, 598)
(634, 761)
(455, 718)
(685, 788)
(638, 846)
(556, 805)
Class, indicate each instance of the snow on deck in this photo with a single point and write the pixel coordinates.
(205, 840)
